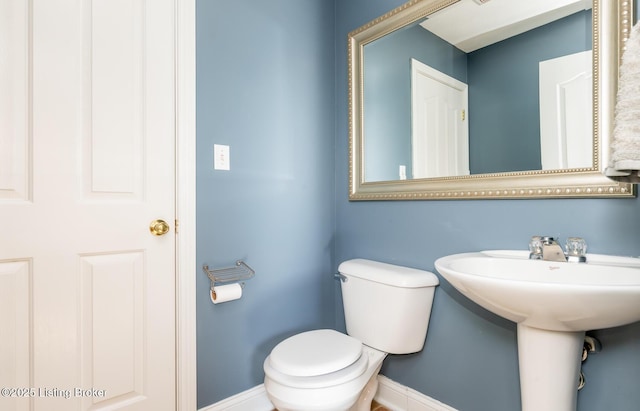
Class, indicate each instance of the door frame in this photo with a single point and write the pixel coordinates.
(185, 205)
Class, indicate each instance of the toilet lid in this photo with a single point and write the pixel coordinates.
(314, 353)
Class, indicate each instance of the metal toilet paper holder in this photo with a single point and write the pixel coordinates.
(236, 274)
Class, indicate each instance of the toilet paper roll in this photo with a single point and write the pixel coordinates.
(224, 293)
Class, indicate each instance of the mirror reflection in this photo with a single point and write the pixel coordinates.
(509, 90)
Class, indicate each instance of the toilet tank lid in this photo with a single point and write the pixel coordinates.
(390, 274)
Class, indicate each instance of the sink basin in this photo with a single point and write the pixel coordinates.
(602, 293)
(553, 304)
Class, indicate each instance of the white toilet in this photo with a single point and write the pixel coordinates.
(387, 309)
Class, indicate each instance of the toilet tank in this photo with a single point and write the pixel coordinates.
(387, 306)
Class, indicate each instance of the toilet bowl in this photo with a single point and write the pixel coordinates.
(387, 310)
(296, 378)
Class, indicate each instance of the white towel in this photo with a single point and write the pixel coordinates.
(624, 163)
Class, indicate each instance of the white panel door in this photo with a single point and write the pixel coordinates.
(440, 130)
(566, 118)
(87, 135)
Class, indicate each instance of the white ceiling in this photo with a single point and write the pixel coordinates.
(470, 26)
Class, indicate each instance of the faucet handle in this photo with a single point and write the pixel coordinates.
(576, 249)
(535, 248)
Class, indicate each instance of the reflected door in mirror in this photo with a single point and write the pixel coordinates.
(440, 131)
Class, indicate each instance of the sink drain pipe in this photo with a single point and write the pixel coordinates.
(591, 345)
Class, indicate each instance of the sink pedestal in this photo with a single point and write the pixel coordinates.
(549, 368)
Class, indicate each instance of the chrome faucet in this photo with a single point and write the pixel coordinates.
(548, 249)
(551, 250)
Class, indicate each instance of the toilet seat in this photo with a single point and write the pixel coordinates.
(316, 359)
(316, 352)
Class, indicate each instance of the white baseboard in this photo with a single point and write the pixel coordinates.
(390, 394)
(399, 397)
(254, 399)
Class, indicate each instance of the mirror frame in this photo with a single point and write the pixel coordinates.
(612, 22)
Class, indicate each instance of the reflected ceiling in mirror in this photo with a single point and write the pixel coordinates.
(479, 134)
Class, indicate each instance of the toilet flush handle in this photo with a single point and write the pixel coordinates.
(342, 277)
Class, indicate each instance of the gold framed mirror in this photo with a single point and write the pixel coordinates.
(608, 26)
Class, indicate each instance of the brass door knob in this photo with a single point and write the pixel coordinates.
(159, 227)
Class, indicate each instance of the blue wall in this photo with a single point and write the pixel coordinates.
(272, 84)
(265, 87)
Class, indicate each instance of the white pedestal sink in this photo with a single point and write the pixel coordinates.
(553, 303)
